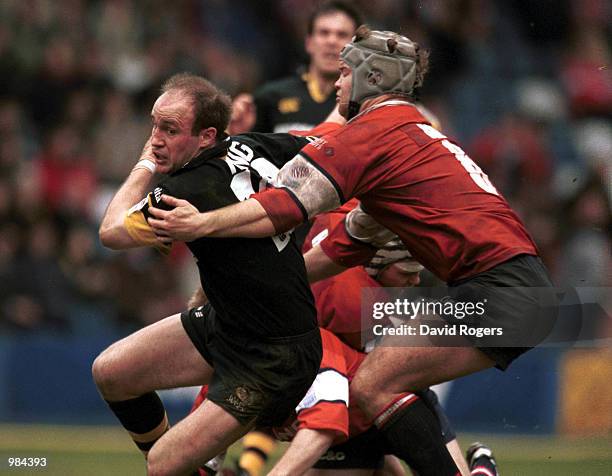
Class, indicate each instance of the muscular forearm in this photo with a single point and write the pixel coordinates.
(319, 266)
(305, 450)
(247, 219)
(113, 233)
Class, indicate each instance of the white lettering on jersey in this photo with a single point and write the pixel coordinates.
(241, 163)
(475, 172)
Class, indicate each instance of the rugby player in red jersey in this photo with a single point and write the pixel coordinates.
(416, 182)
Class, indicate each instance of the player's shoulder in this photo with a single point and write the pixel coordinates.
(380, 122)
(201, 169)
(277, 148)
(262, 139)
(200, 183)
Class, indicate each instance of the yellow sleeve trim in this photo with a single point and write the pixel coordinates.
(136, 225)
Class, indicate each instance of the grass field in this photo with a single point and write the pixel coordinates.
(104, 451)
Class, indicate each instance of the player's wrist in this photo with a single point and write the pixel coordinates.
(145, 164)
(203, 224)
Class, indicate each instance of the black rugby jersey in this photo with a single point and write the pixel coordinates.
(256, 286)
(292, 103)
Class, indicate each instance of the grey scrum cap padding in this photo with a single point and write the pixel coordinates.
(382, 63)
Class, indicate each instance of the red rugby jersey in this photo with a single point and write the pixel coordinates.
(417, 183)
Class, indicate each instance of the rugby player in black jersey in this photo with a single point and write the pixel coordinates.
(302, 100)
(256, 344)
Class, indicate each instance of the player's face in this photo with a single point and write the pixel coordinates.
(343, 89)
(395, 276)
(330, 32)
(171, 139)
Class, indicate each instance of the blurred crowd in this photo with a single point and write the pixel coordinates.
(525, 87)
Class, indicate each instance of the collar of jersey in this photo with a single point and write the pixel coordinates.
(218, 150)
(390, 102)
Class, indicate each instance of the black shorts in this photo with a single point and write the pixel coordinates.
(364, 451)
(257, 380)
(520, 302)
(368, 450)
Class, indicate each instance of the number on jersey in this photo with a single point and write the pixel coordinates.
(475, 172)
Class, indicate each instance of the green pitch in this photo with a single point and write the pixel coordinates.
(107, 451)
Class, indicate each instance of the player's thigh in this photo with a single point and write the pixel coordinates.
(393, 467)
(196, 439)
(395, 369)
(339, 472)
(158, 356)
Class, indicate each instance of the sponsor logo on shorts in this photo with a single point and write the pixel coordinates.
(242, 398)
(333, 456)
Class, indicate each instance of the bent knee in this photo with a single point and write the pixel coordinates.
(106, 372)
(156, 466)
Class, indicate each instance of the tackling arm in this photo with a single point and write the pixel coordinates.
(185, 223)
(306, 448)
(320, 266)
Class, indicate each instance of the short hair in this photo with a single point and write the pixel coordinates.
(333, 6)
(422, 55)
(212, 106)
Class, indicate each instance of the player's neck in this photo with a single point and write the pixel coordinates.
(369, 103)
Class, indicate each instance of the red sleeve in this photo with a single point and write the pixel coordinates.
(336, 244)
(335, 161)
(339, 162)
(323, 224)
(343, 250)
(283, 208)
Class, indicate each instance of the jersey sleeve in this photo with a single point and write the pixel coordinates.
(320, 178)
(344, 250)
(206, 190)
(325, 406)
(277, 148)
(137, 226)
